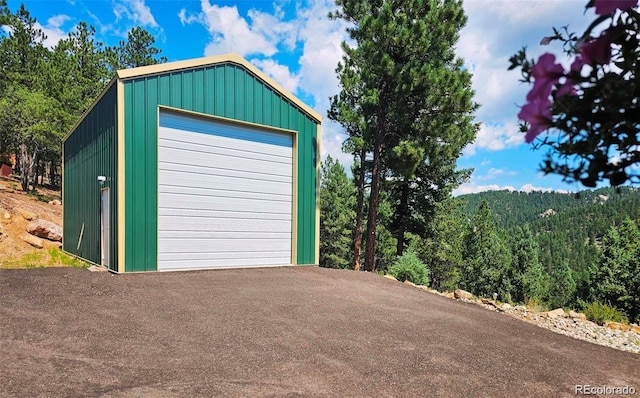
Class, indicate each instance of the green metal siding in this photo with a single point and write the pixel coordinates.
(91, 151)
(224, 90)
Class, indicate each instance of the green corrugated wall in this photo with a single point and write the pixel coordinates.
(89, 152)
(224, 90)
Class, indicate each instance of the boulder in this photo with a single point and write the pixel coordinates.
(553, 314)
(33, 240)
(389, 277)
(462, 294)
(409, 283)
(26, 214)
(506, 306)
(45, 229)
(56, 202)
(448, 295)
(6, 217)
(577, 315)
(618, 326)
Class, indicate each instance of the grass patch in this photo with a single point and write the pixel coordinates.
(40, 196)
(29, 260)
(603, 313)
(58, 257)
(536, 305)
(52, 257)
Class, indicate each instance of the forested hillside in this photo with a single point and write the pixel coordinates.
(602, 206)
(567, 227)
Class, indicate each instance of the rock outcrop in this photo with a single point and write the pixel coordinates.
(45, 229)
(33, 241)
(462, 294)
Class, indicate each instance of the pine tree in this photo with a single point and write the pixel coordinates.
(406, 68)
(137, 50)
(618, 276)
(442, 250)
(487, 257)
(528, 282)
(563, 287)
(336, 215)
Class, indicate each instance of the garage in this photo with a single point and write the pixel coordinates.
(193, 165)
(225, 194)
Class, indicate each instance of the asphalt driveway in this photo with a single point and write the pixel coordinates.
(297, 331)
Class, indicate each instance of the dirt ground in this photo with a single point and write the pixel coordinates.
(294, 332)
(20, 206)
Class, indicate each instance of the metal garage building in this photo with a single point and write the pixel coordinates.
(196, 164)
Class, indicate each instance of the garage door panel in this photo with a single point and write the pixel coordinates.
(183, 141)
(233, 227)
(199, 256)
(186, 180)
(213, 246)
(177, 159)
(212, 192)
(223, 203)
(181, 265)
(235, 215)
(225, 194)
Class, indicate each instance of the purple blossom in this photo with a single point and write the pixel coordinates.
(537, 113)
(597, 51)
(568, 87)
(605, 7)
(546, 73)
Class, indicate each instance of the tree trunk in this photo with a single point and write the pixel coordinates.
(26, 166)
(36, 174)
(357, 238)
(403, 213)
(374, 199)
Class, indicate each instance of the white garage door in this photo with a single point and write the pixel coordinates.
(225, 194)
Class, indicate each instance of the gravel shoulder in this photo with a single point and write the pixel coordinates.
(297, 331)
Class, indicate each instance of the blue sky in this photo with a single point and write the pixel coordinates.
(297, 45)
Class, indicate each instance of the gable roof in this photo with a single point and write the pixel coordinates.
(158, 69)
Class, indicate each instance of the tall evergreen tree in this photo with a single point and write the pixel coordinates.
(618, 276)
(528, 282)
(487, 256)
(137, 50)
(406, 67)
(337, 215)
(563, 286)
(442, 250)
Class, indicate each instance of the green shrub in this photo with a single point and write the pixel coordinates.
(408, 267)
(602, 313)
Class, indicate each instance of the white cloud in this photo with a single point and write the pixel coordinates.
(496, 137)
(53, 29)
(321, 51)
(280, 73)
(473, 188)
(187, 19)
(272, 27)
(232, 33)
(497, 29)
(493, 173)
(136, 11)
(332, 139)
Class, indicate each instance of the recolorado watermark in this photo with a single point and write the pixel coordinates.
(586, 389)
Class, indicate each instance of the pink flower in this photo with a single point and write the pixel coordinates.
(538, 114)
(597, 51)
(546, 73)
(605, 7)
(568, 87)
